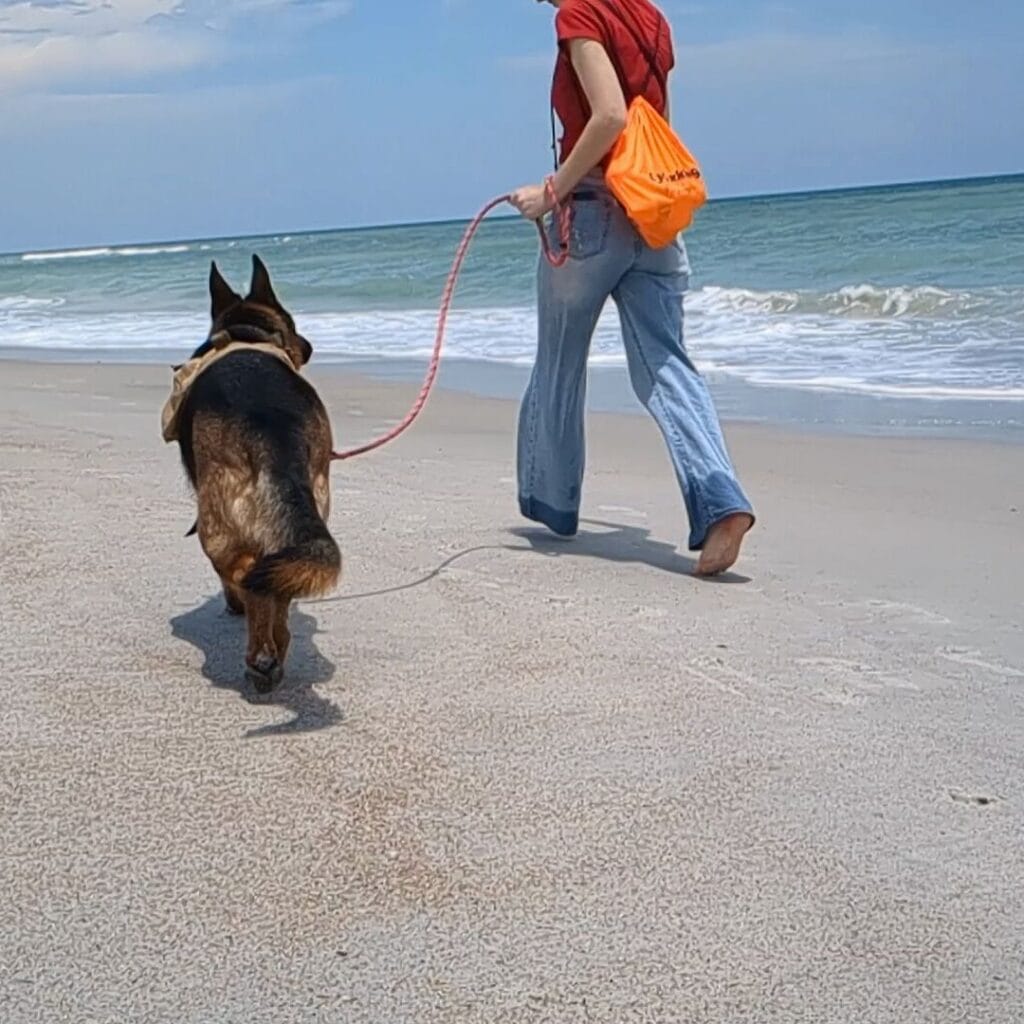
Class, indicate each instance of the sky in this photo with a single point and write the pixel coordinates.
(147, 120)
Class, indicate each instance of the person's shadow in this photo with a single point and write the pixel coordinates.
(221, 639)
(617, 542)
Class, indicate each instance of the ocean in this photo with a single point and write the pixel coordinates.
(894, 309)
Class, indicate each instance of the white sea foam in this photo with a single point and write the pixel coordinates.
(772, 339)
(860, 301)
(22, 303)
(851, 385)
(70, 254)
(152, 250)
(97, 253)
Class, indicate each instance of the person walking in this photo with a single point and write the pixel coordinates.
(610, 51)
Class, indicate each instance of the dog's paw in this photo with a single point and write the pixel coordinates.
(264, 673)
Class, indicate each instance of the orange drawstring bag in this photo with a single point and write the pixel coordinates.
(650, 172)
(654, 176)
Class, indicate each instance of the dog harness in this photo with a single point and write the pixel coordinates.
(222, 344)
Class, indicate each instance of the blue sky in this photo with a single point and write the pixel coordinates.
(133, 120)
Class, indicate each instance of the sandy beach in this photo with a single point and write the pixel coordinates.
(510, 778)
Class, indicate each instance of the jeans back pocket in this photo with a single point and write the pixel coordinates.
(590, 220)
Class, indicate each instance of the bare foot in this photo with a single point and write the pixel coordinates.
(722, 546)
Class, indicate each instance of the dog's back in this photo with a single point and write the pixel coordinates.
(256, 443)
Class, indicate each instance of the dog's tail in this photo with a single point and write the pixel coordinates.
(308, 568)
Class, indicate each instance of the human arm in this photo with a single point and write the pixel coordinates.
(600, 85)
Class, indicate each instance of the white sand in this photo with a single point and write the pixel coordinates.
(510, 779)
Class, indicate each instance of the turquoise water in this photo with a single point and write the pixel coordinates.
(913, 294)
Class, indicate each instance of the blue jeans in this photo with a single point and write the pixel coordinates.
(608, 258)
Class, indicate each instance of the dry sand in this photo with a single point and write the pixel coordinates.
(509, 778)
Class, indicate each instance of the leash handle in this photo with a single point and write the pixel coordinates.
(563, 216)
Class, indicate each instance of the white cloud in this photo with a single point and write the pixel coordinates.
(61, 58)
(46, 42)
(79, 17)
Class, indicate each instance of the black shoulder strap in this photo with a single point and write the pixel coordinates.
(653, 71)
(651, 56)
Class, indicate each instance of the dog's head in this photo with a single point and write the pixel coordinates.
(259, 317)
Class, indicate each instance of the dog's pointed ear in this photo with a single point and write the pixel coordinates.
(222, 295)
(261, 290)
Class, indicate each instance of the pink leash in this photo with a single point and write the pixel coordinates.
(563, 218)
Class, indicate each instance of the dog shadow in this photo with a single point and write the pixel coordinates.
(617, 542)
(221, 639)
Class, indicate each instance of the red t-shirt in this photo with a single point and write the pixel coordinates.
(594, 19)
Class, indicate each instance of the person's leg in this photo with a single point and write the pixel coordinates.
(650, 303)
(551, 446)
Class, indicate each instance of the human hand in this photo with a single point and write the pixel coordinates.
(532, 201)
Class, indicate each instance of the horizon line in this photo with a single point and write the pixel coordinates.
(439, 222)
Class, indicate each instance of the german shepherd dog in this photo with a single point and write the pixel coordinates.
(256, 444)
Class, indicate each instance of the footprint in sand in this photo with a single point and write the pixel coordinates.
(621, 510)
(851, 682)
(975, 659)
(645, 612)
(913, 612)
(480, 576)
(650, 620)
(715, 672)
(972, 799)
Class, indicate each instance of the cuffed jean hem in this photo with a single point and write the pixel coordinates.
(565, 524)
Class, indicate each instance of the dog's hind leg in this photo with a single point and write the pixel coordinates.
(263, 661)
(282, 635)
(233, 599)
